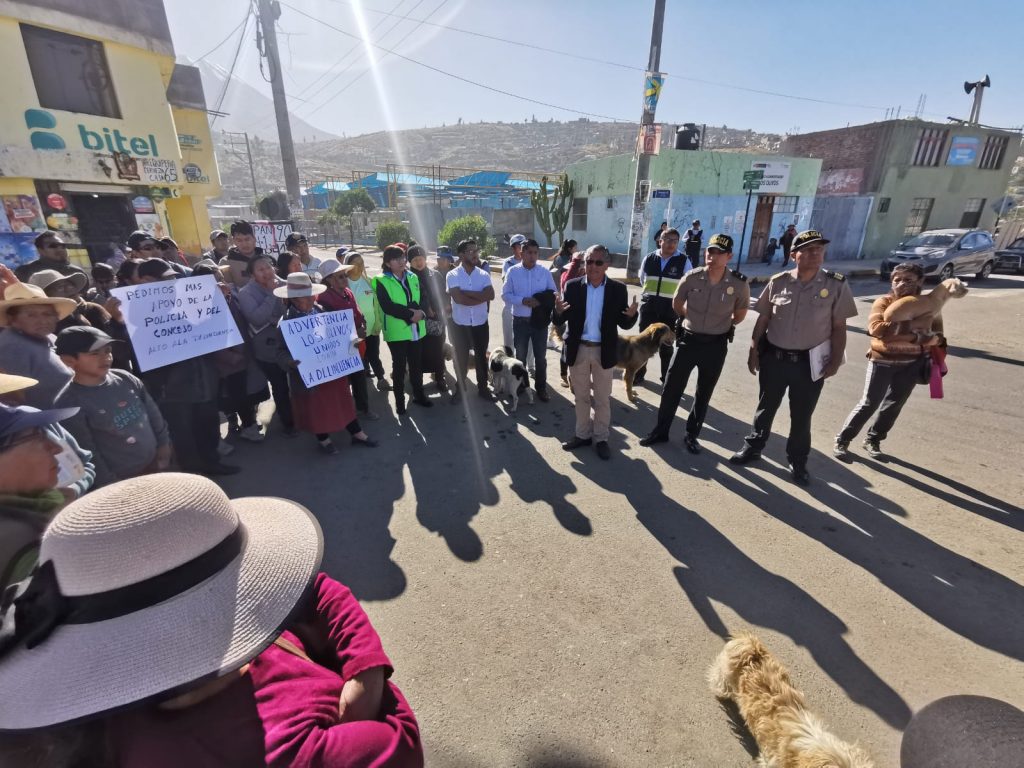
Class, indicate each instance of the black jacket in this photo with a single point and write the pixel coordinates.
(616, 302)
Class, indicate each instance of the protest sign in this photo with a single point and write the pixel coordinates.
(174, 320)
(324, 344)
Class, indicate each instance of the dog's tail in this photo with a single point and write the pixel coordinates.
(743, 650)
(809, 736)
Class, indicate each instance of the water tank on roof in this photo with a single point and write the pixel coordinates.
(688, 136)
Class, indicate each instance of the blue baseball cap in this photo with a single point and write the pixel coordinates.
(17, 419)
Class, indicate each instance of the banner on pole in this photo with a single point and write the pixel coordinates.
(175, 320)
(650, 140)
(324, 344)
(653, 81)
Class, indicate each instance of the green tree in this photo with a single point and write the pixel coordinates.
(392, 231)
(351, 202)
(464, 228)
(552, 208)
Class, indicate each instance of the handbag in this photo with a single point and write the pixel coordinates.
(924, 369)
(434, 327)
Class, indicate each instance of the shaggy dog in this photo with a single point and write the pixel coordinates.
(787, 734)
(911, 308)
(508, 376)
(633, 352)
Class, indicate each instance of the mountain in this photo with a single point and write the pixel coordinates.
(249, 110)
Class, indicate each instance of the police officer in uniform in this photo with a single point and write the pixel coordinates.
(710, 301)
(798, 311)
(660, 274)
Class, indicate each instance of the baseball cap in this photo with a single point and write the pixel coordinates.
(721, 242)
(517, 239)
(137, 238)
(217, 233)
(340, 253)
(17, 419)
(807, 237)
(157, 268)
(79, 339)
(294, 239)
(445, 252)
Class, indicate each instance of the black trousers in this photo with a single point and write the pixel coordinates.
(195, 433)
(886, 390)
(406, 355)
(372, 362)
(360, 390)
(780, 373)
(278, 379)
(693, 254)
(708, 358)
(657, 310)
(464, 338)
(235, 398)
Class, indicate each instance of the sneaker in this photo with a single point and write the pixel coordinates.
(841, 450)
(252, 433)
(225, 449)
(873, 448)
(745, 455)
(326, 446)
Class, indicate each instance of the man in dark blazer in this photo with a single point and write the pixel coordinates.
(593, 308)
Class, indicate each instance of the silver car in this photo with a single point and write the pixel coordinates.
(943, 253)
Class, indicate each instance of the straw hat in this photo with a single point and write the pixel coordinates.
(152, 585)
(298, 286)
(330, 267)
(50, 279)
(11, 383)
(24, 295)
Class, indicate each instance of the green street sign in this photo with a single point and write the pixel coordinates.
(749, 176)
(753, 184)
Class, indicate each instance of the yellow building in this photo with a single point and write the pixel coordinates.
(102, 133)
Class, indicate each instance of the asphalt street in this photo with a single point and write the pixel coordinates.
(544, 608)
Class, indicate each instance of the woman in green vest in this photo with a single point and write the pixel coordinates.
(398, 293)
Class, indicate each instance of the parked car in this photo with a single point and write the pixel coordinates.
(943, 253)
(1012, 257)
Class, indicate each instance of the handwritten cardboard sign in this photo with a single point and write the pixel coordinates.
(324, 345)
(174, 320)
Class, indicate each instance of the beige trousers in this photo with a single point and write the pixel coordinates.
(587, 375)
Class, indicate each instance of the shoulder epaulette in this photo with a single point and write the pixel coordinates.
(739, 275)
(834, 275)
(778, 274)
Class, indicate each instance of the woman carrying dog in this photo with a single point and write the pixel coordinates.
(398, 293)
(194, 630)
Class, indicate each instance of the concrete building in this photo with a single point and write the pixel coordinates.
(102, 133)
(688, 185)
(884, 182)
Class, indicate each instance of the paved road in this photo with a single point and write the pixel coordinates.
(544, 608)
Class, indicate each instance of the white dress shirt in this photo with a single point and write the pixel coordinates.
(477, 280)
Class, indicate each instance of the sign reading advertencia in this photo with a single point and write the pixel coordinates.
(324, 345)
(175, 320)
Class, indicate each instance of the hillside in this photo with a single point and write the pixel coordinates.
(526, 146)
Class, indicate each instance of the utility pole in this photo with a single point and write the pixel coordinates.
(643, 161)
(270, 11)
(234, 142)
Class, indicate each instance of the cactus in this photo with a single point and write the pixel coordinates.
(553, 210)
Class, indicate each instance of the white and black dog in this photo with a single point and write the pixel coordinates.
(509, 376)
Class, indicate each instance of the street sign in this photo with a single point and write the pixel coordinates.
(749, 176)
(752, 185)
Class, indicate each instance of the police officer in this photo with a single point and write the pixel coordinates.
(798, 312)
(659, 277)
(710, 301)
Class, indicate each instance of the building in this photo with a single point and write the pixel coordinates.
(687, 185)
(102, 132)
(884, 182)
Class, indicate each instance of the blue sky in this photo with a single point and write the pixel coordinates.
(866, 56)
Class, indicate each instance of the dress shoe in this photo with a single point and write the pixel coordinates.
(383, 385)
(368, 442)
(400, 407)
(422, 400)
(543, 396)
(603, 452)
(576, 442)
(744, 456)
(654, 437)
(798, 471)
(328, 447)
(691, 444)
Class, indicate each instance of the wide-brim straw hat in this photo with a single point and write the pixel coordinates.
(49, 279)
(330, 267)
(299, 285)
(148, 538)
(11, 383)
(24, 295)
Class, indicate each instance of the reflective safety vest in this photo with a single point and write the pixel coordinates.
(394, 328)
(658, 284)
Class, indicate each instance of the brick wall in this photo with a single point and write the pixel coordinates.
(845, 148)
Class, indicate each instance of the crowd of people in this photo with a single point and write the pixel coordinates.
(89, 445)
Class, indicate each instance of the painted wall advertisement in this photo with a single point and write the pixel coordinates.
(963, 150)
(776, 177)
(324, 344)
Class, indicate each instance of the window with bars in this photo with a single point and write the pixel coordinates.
(917, 221)
(70, 72)
(972, 212)
(785, 204)
(993, 153)
(579, 214)
(929, 145)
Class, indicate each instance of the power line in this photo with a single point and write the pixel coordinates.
(453, 75)
(248, 13)
(231, 71)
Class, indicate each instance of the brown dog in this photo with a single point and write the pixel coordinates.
(633, 352)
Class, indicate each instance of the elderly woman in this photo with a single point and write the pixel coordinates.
(29, 318)
(225, 647)
(398, 293)
(337, 297)
(262, 311)
(363, 290)
(435, 297)
(323, 408)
